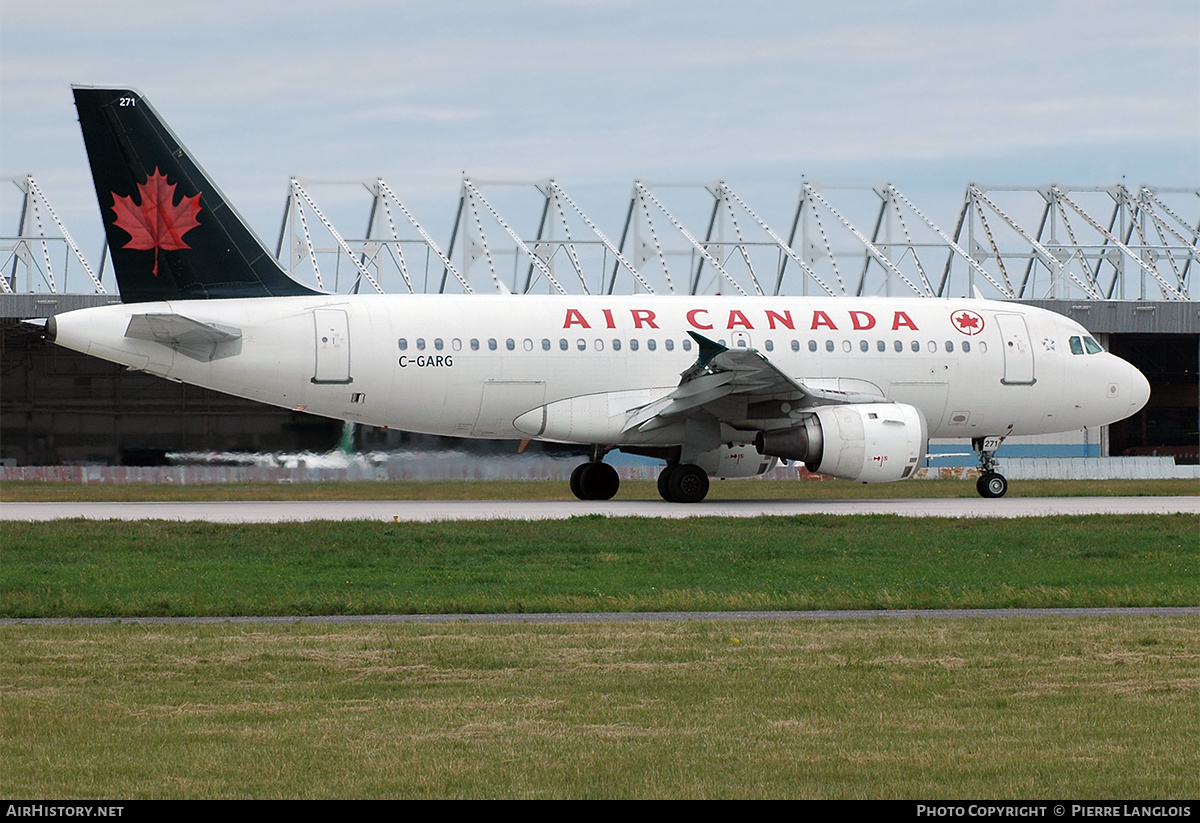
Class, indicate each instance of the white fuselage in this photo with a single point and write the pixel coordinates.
(469, 366)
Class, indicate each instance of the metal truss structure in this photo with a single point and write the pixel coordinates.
(27, 259)
(1030, 243)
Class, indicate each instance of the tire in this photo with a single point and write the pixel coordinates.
(664, 482)
(576, 476)
(688, 484)
(991, 485)
(598, 481)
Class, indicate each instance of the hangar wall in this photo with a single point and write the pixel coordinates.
(1118, 260)
(59, 407)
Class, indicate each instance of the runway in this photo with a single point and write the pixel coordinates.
(434, 510)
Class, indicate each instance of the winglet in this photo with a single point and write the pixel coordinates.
(708, 348)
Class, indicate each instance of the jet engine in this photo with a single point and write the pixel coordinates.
(870, 442)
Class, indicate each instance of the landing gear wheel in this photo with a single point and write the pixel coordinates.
(599, 482)
(576, 475)
(688, 483)
(594, 481)
(991, 484)
(664, 481)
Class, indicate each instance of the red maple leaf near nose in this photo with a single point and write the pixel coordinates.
(157, 222)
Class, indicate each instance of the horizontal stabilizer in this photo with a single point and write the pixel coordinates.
(192, 338)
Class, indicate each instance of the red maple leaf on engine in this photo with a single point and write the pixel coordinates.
(158, 222)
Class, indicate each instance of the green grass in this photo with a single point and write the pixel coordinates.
(87, 568)
(28, 491)
(919, 709)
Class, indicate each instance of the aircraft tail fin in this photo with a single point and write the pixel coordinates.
(171, 233)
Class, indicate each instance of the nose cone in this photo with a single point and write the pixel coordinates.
(1139, 391)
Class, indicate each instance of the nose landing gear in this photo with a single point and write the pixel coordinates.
(991, 483)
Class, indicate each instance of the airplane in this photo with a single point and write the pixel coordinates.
(714, 386)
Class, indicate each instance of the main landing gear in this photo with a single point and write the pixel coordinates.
(595, 480)
(683, 483)
(991, 483)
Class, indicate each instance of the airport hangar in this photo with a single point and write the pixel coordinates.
(1118, 260)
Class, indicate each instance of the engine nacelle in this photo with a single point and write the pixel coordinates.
(870, 442)
(734, 461)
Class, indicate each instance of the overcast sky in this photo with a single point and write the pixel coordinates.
(928, 95)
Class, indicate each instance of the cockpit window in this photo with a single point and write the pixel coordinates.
(1092, 346)
(1076, 345)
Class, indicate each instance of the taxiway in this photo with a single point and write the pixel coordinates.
(434, 510)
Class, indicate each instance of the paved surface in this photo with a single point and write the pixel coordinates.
(425, 510)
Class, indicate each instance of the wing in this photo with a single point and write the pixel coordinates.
(741, 387)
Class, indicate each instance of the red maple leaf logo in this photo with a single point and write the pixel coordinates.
(158, 222)
(967, 322)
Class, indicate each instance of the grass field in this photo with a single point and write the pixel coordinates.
(919, 709)
(594, 563)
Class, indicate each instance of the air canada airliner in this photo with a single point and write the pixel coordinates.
(714, 386)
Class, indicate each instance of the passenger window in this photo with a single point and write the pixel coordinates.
(898, 345)
(916, 346)
(581, 344)
(599, 344)
(474, 344)
(933, 345)
(966, 345)
(828, 345)
(545, 344)
(528, 344)
(863, 345)
(616, 344)
(770, 345)
(1092, 346)
(404, 344)
(437, 343)
(846, 347)
(633, 344)
(670, 344)
(949, 345)
(510, 344)
(420, 344)
(650, 344)
(563, 344)
(492, 343)
(456, 344)
(812, 345)
(687, 345)
(880, 345)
